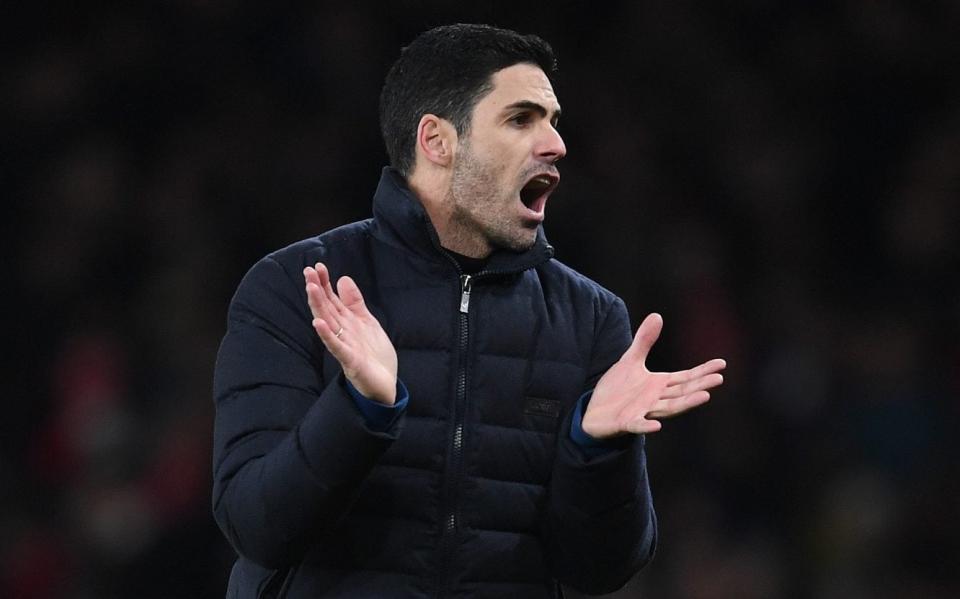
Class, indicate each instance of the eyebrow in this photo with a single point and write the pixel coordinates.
(528, 105)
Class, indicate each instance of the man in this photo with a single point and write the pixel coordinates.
(463, 415)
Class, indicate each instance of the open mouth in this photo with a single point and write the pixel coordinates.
(536, 191)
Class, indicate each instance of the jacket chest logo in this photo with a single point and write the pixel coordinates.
(539, 406)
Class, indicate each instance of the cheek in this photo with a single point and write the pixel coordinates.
(500, 175)
(503, 153)
(507, 165)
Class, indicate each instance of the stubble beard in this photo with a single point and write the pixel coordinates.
(483, 218)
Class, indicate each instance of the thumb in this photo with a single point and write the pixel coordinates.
(350, 296)
(647, 335)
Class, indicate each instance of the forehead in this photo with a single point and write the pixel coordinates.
(519, 82)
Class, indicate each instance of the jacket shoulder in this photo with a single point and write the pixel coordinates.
(278, 276)
(559, 277)
(343, 240)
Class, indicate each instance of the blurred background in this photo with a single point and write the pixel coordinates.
(779, 180)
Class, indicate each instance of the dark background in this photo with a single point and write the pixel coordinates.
(780, 180)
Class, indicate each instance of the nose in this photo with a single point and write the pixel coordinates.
(551, 147)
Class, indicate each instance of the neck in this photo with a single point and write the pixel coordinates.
(433, 191)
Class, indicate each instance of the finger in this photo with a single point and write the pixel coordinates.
(705, 382)
(319, 305)
(312, 285)
(673, 407)
(323, 275)
(351, 297)
(315, 297)
(325, 284)
(647, 335)
(310, 275)
(642, 426)
(337, 346)
(323, 278)
(708, 367)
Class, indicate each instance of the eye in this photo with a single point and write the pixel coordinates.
(521, 119)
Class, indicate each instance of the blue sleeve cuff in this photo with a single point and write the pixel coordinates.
(380, 417)
(590, 446)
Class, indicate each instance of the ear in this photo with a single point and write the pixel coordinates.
(436, 139)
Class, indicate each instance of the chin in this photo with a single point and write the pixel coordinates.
(518, 243)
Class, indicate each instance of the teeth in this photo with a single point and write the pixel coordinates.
(541, 180)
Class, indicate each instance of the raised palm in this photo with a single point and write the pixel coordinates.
(630, 399)
(352, 334)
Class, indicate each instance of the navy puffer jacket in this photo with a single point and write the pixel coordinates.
(477, 489)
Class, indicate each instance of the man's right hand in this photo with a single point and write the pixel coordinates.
(352, 335)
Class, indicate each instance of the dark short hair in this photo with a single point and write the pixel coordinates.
(445, 71)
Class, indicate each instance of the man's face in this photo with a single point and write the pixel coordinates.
(504, 168)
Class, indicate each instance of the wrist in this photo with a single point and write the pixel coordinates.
(380, 417)
(594, 426)
(380, 396)
(577, 432)
(586, 423)
(590, 446)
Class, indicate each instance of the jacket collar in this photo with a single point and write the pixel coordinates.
(400, 219)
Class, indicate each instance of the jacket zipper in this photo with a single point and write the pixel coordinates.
(455, 472)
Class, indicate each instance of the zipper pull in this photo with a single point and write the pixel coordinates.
(465, 284)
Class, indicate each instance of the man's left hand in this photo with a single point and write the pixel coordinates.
(631, 399)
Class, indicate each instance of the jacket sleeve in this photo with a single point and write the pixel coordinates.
(290, 446)
(600, 527)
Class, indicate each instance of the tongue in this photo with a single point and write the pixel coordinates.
(531, 191)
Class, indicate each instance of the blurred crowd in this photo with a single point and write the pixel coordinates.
(779, 180)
